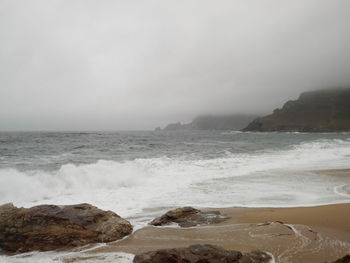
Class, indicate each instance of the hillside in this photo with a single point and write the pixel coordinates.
(316, 111)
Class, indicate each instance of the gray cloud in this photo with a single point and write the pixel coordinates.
(103, 65)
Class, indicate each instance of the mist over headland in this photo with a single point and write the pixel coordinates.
(114, 65)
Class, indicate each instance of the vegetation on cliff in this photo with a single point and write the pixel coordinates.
(324, 110)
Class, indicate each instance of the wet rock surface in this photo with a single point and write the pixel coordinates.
(188, 217)
(345, 259)
(201, 254)
(50, 227)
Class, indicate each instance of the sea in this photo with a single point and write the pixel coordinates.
(141, 174)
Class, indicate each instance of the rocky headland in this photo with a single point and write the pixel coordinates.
(233, 122)
(325, 110)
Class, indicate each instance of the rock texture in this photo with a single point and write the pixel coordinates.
(49, 227)
(212, 122)
(317, 111)
(201, 254)
(187, 217)
(345, 259)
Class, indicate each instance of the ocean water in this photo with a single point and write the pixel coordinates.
(141, 174)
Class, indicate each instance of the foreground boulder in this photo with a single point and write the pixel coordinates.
(187, 217)
(49, 227)
(345, 259)
(202, 254)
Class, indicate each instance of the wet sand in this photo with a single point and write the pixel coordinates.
(330, 216)
(308, 234)
(297, 234)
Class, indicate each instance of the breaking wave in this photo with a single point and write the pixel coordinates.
(238, 179)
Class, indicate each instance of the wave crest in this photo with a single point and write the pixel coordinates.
(130, 186)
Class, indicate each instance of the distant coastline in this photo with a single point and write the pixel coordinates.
(325, 110)
(234, 122)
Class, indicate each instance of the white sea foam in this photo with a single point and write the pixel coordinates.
(61, 257)
(132, 188)
(266, 178)
(343, 190)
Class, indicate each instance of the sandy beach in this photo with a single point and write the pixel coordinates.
(296, 234)
(307, 234)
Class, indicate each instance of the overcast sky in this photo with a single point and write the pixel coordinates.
(112, 65)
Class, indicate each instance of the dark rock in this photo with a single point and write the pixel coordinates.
(255, 257)
(188, 216)
(201, 254)
(325, 110)
(345, 259)
(49, 227)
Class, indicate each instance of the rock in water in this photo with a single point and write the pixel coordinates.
(187, 217)
(49, 227)
(202, 254)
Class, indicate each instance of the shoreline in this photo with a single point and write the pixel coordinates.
(312, 234)
(292, 235)
(306, 215)
(308, 234)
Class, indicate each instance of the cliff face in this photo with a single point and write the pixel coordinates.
(211, 122)
(315, 111)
